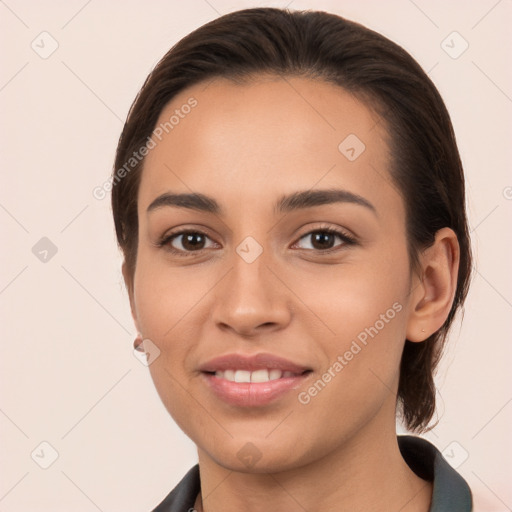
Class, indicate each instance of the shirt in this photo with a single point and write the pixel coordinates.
(450, 492)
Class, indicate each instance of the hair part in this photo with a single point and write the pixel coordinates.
(425, 163)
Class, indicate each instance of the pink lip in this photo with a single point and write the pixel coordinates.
(251, 363)
(252, 394)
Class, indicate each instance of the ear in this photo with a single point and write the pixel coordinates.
(434, 289)
(128, 281)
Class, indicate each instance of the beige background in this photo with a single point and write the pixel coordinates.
(68, 374)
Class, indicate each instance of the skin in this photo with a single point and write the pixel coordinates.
(245, 146)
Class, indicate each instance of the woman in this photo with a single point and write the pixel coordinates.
(289, 199)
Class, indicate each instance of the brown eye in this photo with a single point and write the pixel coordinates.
(192, 241)
(325, 239)
(322, 240)
(186, 241)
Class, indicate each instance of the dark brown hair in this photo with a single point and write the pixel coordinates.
(425, 167)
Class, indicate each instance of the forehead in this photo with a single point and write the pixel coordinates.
(271, 135)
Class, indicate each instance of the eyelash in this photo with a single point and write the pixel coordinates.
(345, 238)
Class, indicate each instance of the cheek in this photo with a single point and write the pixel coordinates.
(368, 316)
(365, 309)
(166, 302)
(165, 297)
(352, 298)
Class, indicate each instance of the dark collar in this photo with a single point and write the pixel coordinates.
(451, 493)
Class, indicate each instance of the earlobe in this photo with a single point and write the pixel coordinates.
(434, 291)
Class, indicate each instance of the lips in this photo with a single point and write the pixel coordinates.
(263, 375)
(251, 381)
(252, 363)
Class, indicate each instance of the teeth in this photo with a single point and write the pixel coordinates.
(259, 376)
(274, 374)
(242, 376)
(263, 375)
(229, 375)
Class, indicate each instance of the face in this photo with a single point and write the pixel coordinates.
(268, 276)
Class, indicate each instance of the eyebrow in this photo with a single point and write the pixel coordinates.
(287, 203)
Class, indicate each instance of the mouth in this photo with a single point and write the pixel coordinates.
(251, 363)
(256, 376)
(252, 381)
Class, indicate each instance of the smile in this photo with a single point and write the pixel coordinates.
(263, 375)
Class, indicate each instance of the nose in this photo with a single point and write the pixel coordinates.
(252, 299)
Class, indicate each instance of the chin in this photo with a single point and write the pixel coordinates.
(255, 455)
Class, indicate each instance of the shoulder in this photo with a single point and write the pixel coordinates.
(450, 491)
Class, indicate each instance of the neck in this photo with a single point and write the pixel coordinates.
(367, 473)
